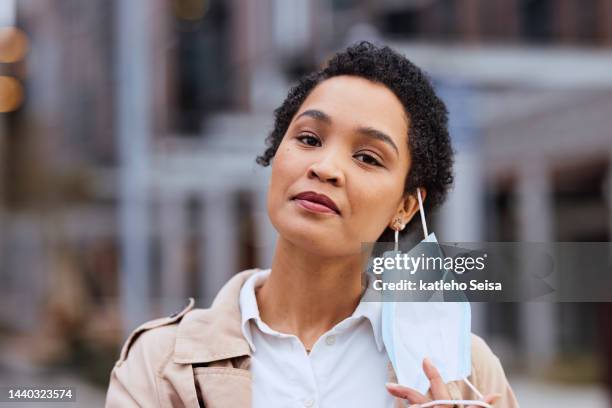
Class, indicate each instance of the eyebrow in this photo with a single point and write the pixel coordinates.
(316, 114)
(364, 130)
(377, 134)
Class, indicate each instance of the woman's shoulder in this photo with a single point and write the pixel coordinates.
(482, 355)
(146, 356)
(155, 338)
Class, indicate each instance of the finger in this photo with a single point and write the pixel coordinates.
(399, 391)
(438, 388)
(492, 398)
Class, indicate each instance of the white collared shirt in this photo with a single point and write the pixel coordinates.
(347, 366)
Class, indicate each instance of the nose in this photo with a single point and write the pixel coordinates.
(327, 169)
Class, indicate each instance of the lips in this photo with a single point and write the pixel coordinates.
(319, 200)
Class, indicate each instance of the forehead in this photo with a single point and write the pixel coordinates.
(355, 101)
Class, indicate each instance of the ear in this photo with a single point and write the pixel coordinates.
(407, 208)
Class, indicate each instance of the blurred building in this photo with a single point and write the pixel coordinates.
(527, 83)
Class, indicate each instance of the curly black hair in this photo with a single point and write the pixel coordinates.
(429, 141)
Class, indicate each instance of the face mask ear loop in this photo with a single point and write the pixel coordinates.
(478, 393)
(422, 211)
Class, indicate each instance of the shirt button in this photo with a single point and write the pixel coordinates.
(330, 340)
(309, 403)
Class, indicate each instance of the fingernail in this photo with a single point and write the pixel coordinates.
(389, 384)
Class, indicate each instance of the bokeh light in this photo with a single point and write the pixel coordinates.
(11, 94)
(13, 44)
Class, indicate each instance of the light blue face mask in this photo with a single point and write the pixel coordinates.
(441, 331)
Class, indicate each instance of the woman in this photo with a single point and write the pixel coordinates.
(351, 145)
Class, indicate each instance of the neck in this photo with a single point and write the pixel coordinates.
(306, 295)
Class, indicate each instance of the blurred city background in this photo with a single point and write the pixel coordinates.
(128, 136)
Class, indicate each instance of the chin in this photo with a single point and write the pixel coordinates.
(316, 236)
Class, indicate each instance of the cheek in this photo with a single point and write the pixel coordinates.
(285, 170)
(374, 204)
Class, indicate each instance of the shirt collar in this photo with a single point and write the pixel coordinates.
(372, 311)
(248, 303)
(249, 309)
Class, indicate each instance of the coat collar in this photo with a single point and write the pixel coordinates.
(207, 335)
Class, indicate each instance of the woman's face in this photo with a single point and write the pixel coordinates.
(348, 141)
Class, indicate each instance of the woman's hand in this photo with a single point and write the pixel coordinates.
(439, 390)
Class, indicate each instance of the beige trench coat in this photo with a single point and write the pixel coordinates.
(198, 357)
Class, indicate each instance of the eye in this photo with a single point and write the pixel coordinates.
(368, 159)
(308, 139)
